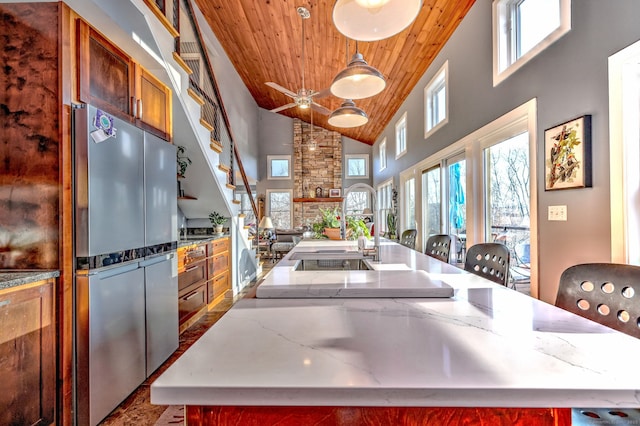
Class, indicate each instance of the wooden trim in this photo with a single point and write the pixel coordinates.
(224, 168)
(206, 125)
(216, 146)
(234, 201)
(163, 19)
(195, 96)
(183, 65)
(318, 200)
(230, 186)
(242, 215)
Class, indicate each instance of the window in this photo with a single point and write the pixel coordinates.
(401, 136)
(357, 166)
(524, 28)
(410, 203)
(435, 101)
(385, 204)
(246, 208)
(383, 154)
(279, 166)
(280, 208)
(357, 201)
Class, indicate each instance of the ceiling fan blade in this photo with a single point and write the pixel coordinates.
(321, 94)
(319, 108)
(281, 89)
(283, 107)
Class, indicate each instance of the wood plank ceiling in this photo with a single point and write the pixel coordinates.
(263, 39)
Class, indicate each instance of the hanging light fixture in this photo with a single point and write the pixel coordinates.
(371, 20)
(358, 80)
(348, 115)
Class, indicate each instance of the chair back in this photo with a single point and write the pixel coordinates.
(607, 293)
(438, 246)
(408, 238)
(489, 260)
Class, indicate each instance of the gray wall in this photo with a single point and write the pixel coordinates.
(568, 79)
(241, 108)
(276, 138)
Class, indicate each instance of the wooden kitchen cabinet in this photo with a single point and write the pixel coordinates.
(218, 279)
(112, 81)
(106, 75)
(153, 104)
(28, 354)
(192, 283)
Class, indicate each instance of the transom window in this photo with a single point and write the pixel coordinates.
(383, 154)
(435, 101)
(524, 28)
(357, 166)
(279, 166)
(401, 136)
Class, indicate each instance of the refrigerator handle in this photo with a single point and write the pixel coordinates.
(117, 270)
(157, 259)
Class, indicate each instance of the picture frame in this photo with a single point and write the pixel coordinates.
(318, 192)
(334, 192)
(567, 155)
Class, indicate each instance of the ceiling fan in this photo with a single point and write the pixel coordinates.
(303, 98)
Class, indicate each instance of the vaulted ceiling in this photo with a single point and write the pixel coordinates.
(263, 39)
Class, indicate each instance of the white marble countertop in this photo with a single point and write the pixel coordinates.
(401, 272)
(488, 346)
(484, 347)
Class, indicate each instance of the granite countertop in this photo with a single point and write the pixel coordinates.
(195, 239)
(16, 277)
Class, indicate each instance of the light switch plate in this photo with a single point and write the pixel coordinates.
(558, 213)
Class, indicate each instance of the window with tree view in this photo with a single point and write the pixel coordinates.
(280, 208)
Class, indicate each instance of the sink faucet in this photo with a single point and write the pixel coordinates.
(376, 219)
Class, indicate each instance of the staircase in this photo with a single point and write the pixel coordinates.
(216, 180)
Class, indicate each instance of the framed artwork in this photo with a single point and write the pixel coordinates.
(567, 155)
(334, 192)
(318, 192)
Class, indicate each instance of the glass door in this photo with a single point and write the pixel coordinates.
(431, 203)
(508, 218)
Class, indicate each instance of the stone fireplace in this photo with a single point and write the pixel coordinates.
(312, 169)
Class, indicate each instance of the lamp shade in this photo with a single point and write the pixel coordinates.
(348, 115)
(377, 20)
(358, 80)
(265, 223)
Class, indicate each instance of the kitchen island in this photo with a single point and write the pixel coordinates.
(401, 360)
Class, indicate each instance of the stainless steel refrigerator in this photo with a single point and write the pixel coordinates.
(126, 290)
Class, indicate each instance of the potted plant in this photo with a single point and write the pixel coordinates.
(217, 220)
(392, 226)
(328, 224)
(183, 160)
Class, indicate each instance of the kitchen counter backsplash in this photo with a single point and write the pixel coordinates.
(15, 277)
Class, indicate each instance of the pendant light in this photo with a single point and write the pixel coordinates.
(371, 20)
(358, 80)
(348, 115)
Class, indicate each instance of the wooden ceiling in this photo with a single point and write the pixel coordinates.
(263, 39)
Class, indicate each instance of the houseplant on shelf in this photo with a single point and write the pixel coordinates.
(183, 160)
(328, 224)
(217, 220)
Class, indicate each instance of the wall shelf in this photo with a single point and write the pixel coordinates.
(187, 197)
(318, 200)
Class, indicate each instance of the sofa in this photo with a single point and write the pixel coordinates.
(285, 240)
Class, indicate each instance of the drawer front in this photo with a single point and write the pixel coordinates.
(221, 284)
(220, 262)
(220, 245)
(192, 274)
(192, 302)
(190, 254)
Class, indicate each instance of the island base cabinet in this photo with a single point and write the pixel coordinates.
(27, 355)
(362, 416)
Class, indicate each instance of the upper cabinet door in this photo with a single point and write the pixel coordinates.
(106, 74)
(153, 104)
